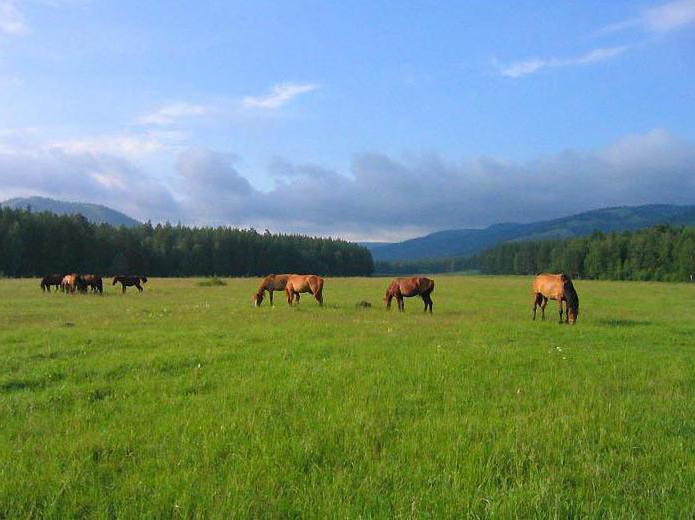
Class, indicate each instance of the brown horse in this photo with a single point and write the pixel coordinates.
(555, 287)
(271, 283)
(50, 280)
(129, 281)
(94, 282)
(70, 283)
(304, 283)
(401, 288)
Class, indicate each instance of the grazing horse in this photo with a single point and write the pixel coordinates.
(304, 283)
(555, 287)
(50, 280)
(128, 281)
(271, 283)
(70, 283)
(94, 282)
(401, 288)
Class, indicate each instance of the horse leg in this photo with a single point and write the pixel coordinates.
(290, 296)
(559, 306)
(429, 302)
(319, 297)
(122, 288)
(137, 284)
(543, 304)
(424, 299)
(271, 297)
(536, 303)
(401, 303)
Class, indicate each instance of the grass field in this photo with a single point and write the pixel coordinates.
(187, 401)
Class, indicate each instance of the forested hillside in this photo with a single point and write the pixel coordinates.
(33, 244)
(95, 213)
(466, 242)
(661, 252)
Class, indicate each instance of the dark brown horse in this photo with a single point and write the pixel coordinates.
(555, 287)
(50, 280)
(401, 288)
(304, 283)
(93, 281)
(129, 281)
(271, 283)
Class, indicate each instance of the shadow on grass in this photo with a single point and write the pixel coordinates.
(624, 323)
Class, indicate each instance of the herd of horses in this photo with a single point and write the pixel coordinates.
(546, 287)
(73, 282)
(558, 287)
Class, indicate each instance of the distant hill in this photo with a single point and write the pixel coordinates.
(95, 213)
(463, 242)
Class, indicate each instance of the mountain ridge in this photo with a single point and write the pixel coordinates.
(95, 213)
(465, 242)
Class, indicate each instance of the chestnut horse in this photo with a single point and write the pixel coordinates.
(50, 280)
(401, 288)
(271, 283)
(70, 283)
(555, 287)
(304, 283)
(128, 281)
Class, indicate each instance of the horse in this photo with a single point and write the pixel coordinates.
(271, 283)
(555, 287)
(50, 280)
(400, 288)
(70, 283)
(94, 282)
(128, 281)
(304, 283)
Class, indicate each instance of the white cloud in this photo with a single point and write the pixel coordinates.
(279, 95)
(523, 68)
(168, 114)
(127, 145)
(659, 19)
(670, 16)
(11, 18)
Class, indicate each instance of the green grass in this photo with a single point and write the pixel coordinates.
(187, 401)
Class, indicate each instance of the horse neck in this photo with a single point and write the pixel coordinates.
(263, 287)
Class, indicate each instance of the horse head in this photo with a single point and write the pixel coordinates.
(143, 278)
(258, 298)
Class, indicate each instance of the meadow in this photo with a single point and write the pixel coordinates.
(185, 401)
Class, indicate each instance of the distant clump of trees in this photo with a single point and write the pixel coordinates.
(660, 253)
(33, 244)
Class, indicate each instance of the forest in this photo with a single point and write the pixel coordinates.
(660, 253)
(35, 244)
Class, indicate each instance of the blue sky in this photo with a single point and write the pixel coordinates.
(367, 120)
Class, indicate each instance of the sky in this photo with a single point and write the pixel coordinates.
(366, 120)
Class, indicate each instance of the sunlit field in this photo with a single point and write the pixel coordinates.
(185, 400)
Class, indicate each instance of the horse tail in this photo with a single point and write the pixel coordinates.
(427, 286)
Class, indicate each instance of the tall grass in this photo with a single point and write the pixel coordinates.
(182, 401)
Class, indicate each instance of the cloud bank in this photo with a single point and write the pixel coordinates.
(381, 196)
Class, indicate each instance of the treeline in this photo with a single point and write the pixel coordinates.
(34, 244)
(662, 253)
(433, 265)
